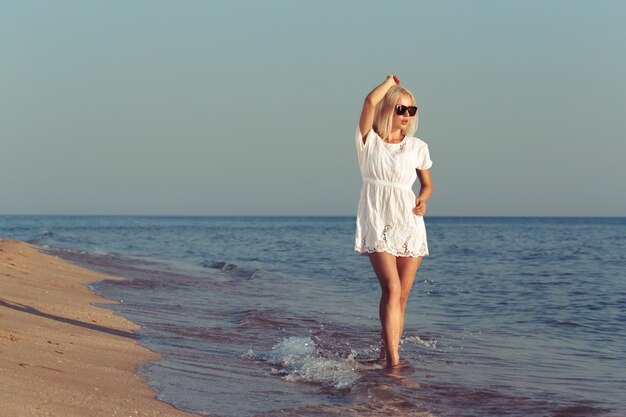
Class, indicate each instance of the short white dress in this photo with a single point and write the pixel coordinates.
(385, 221)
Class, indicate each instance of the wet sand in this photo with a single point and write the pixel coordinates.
(60, 355)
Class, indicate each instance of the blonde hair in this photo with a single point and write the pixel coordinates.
(383, 114)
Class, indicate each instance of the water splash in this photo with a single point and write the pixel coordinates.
(298, 359)
(419, 341)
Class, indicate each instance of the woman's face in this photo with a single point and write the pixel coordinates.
(401, 122)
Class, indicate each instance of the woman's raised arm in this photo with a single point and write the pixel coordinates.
(372, 99)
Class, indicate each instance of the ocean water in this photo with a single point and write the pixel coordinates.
(277, 316)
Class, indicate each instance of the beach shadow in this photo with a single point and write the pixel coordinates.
(30, 310)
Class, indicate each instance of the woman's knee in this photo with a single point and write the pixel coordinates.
(404, 297)
(392, 290)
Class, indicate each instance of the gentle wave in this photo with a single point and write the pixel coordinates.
(231, 269)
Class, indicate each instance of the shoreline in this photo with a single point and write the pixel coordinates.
(59, 353)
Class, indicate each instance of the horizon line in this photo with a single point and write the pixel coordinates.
(316, 215)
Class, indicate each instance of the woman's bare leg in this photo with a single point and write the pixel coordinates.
(407, 269)
(383, 347)
(390, 309)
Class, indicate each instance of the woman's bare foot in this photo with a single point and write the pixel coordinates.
(393, 359)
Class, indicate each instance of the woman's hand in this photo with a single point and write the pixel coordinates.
(426, 190)
(420, 207)
(394, 78)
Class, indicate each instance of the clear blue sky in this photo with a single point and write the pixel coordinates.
(200, 107)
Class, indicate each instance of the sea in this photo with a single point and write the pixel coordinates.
(278, 316)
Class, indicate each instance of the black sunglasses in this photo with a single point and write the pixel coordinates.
(400, 110)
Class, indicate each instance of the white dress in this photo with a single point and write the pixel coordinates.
(385, 221)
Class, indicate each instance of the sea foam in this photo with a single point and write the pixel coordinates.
(299, 359)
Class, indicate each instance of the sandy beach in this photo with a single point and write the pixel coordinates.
(60, 355)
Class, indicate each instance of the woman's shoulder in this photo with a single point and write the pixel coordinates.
(368, 138)
(417, 142)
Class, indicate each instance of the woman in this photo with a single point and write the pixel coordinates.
(390, 228)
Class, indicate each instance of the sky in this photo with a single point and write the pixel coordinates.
(250, 108)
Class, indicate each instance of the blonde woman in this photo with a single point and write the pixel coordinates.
(390, 227)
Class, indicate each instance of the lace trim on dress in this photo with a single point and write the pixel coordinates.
(383, 246)
(422, 251)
